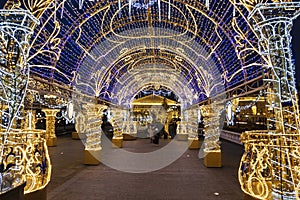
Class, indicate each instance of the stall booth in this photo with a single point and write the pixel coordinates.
(163, 109)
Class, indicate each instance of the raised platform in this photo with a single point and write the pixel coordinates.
(117, 142)
(89, 159)
(127, 137)
(194, 143)
(213, 159)
(14, 194)
(52, 142)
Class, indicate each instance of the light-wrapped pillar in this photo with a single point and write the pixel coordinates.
(29, 120)
(17, 147)
(270, 166)
(50, 126)
(212, 149)
(117, 123)
(92, 130)
(192, 128)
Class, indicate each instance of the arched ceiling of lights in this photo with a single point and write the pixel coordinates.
(197, 48)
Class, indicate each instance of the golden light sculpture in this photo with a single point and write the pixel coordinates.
(92, 131)
(24, 154)
(88, 126)
(211, 119)
(255, 173)
(24, 158)
(270, 166)
(212, 129)
(50, 126)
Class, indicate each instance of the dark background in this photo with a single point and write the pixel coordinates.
(296, 49)
(295, 45)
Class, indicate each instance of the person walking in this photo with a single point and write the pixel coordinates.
(155, 130)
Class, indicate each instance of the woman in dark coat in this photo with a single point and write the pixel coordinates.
(172, 128)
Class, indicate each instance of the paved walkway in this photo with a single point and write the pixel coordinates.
(186, 178)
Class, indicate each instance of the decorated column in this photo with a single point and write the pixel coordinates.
(50, 126)
(270, 166)
(23, 153)
(117, 121)
(182, 131)
(28, 122)
(212, 149)
(92, 129)
(192, 128)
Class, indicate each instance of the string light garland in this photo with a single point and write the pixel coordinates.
(26, 159)
(98, 46)
(270, 165)
(23, 153)
(82, 44)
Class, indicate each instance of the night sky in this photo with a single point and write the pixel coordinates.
(295, 44)
(296, 47)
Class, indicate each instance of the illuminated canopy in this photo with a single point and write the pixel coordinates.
(207, 46)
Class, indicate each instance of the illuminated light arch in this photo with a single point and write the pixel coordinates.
(236, 56)
(156, 89)
(226, 27)
(110, 62)
(127, 93)
(140, 62)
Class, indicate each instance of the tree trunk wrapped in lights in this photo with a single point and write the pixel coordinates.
(276, 150)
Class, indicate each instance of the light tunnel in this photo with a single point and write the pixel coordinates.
(212, 55)
(103, 37)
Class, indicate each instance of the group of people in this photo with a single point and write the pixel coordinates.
(156, 130)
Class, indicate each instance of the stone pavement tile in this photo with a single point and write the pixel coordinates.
(186, 178)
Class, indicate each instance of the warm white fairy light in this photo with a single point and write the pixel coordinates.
(91, 126)
(207, 3)
(130, 7)
(192, 122)
(26, 159)
(237, 58)
(159, 10)
(211, 118)
(270, 166)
